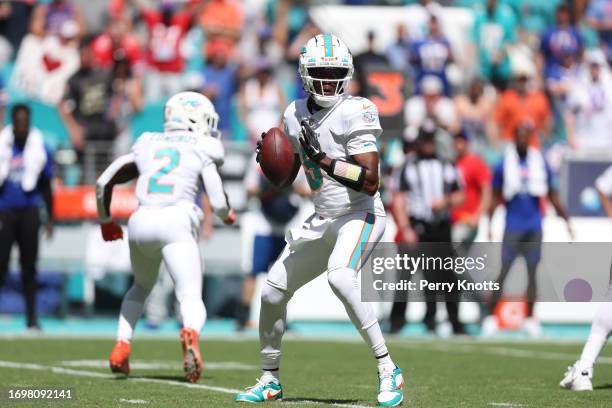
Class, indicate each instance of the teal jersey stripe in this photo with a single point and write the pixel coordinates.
(370, 219)
(328, 45)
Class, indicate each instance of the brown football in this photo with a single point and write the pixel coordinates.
(276, 158)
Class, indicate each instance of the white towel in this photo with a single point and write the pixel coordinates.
(34, 157)
(537, 183)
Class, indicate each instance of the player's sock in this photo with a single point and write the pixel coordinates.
(193, 313)
(600, 330)
(272, 325)
(131, 310)
(270, 375)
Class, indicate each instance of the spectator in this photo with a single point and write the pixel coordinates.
(126, 100)
(589, 107)
(521, 103)
(26, 169)
(560, 42)
(14, 21)
(493, 31)
(167, 26)
(48, 19)
(275, 212)
(85, 105)
(220, 81)
(44, 64)
(431, 105)
(599, 16)
(520, 181)
(398, 53)
(431, 56)
(365, 61)
(118, 39)
(476, 181)
(422, 215)
(474, 114)
(261, 101)
(222, 18)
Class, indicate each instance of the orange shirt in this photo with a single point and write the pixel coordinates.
(512, 109)
(219, 16)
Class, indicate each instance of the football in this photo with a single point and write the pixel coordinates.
(276, 158)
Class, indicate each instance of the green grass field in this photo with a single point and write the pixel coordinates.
(437, 373)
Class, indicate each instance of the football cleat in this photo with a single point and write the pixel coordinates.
(390, 388)
(119, 359)
(577, 379)
(261, 392)
(192, 360)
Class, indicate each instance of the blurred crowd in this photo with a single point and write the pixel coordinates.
(92, 67)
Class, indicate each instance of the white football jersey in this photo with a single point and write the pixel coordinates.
(349, 127)
(170, 166)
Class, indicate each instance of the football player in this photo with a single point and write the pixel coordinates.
(334, 138)
(169, 168)
(578, 376)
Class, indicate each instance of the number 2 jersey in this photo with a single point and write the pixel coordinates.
(348, 128)
(171, 165)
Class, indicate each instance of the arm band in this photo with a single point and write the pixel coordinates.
(348, 174)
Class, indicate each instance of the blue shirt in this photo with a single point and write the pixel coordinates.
(430, 57)
(523, 213)
(555, 43)
(12, 195)
(224, 80)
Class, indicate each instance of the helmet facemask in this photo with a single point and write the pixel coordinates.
(326, 84)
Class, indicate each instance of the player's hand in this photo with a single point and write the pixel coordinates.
(259, 147)
(439, 204)
(231, 218)
(111, 231)
(310, 143)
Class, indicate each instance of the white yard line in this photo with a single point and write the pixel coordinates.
(505, 404)
(93, 374)
(158, 365)
(131, 401)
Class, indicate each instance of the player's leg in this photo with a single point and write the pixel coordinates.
(349, 253)
(578, 377)
(27, 241)
(184, 264)
(297, 265)
(145, 259)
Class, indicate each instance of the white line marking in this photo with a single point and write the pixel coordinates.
(505, 404)
(81, 373)
(158, 365)
(136, 401)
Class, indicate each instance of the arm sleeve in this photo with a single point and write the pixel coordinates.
(604, 182)
(104, 179)
(214, 189)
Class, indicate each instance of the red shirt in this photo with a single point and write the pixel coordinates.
(475, 175)
(163, 48)
(103, 49)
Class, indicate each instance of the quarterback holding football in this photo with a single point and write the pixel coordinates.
(334, 137)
